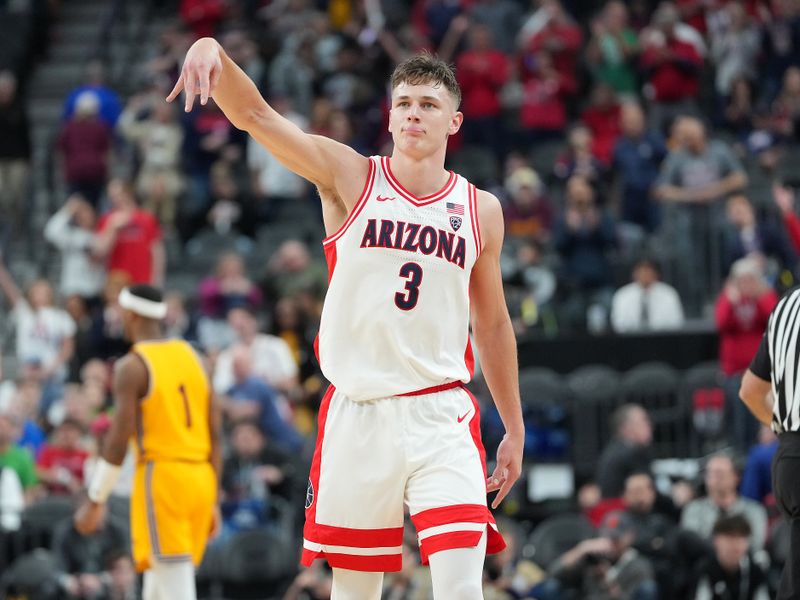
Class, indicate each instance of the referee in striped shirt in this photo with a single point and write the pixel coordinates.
(776, 368)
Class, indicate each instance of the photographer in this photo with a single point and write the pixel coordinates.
(603, 568)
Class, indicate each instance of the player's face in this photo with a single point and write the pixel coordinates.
(422, 118)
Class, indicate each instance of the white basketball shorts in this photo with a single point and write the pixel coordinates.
(371, 457)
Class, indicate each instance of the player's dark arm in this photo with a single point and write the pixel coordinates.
(209, 71)
(215, 429)
(497, 346)
(755, 393)
(129, 387)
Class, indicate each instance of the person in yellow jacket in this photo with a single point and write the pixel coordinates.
(165, 405)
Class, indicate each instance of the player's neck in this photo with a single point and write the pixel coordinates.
(148, 333)
(422, 177)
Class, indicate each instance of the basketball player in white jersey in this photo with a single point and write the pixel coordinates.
(413, 254)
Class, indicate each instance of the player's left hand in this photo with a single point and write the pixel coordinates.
(216, 523)
(89, 517)
(508, 469)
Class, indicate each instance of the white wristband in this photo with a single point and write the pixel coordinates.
(104, 478)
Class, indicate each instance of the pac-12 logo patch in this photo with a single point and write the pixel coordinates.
(309, 494)
(455, 222)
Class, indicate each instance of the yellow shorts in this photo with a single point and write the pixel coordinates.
(172, 510)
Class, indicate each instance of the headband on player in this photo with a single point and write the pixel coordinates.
(142, 306)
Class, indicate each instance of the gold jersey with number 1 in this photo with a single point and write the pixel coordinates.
(174, 490)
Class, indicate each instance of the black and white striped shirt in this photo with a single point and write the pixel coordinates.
(778, 361)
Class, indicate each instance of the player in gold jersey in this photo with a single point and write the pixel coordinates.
(164, 404)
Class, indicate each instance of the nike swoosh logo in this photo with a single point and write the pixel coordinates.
(384, 198)
(464, 416)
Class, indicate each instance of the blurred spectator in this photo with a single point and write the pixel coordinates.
(482, 72)
(84, 559)
(129, 237)
(780, 46)
(291, 325)
(121, 576)
(25, 407)
(107, 337)
(602, 117)
(671, 66)
(532, 284)
(507, 574)
(251, 398)
(722, 499)
(230, 211)
(502, 17)
(741, 313)
(45, 334)
(291, 75)
(85, 144)
(228, 288)
(579, 160)
(786, 108)
(273, 184)
(583, 236)
(760, 240)
(109, 106)
(413, 581)
(731, 571)
(757, 476)
(694, 177)
(636, 159)
(71, 230)
(646, 304)
(735, 45)
(312, 583)
(528, 214)
(784, 200)
(740, 112)
(179, 323)
(603, 568)
(628, 452)
(15, 149)
(12, 498)
(165, 60)
(60, 465)
(13, 457)
(613, 48)
(543, 112)
(291, 270)
(150, 124)
(202, 16)
(272, 358)
(254, 471)
(550, 28)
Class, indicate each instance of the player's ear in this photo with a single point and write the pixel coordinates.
(455, 123)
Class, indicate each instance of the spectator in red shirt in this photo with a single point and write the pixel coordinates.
(60, 463)
(671, 66)
(84, 144)
(543, 113)
(784, 200)
(742, 311)
(551, 29)
(129, 238)
(202, 16)
(482, 71)
(602, 117)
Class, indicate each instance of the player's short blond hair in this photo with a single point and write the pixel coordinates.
(426, 68)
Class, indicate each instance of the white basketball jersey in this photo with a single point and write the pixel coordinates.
(396, 315)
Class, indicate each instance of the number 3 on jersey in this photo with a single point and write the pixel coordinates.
(408, 299)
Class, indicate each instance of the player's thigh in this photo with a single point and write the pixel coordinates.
(204, 495)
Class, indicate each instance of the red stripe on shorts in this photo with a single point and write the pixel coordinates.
(381, 563)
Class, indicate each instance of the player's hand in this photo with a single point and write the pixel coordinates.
(200, 74)
(216, 523)
(508, 469)
(89, 517)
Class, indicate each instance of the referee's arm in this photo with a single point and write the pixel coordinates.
(756, 385)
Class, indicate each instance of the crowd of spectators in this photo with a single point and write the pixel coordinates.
(643, 154)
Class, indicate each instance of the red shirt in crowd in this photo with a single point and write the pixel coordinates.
(544, 103)
(605, 128)
(741, 326)
(673, 70)
(481, 75)
(202, 16)
(132, 252)
(563, 42)
(70, 460)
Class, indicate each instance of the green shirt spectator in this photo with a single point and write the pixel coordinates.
(20, 460)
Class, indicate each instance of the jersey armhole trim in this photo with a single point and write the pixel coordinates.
(359, 206)
(473, 213)
(149, 370)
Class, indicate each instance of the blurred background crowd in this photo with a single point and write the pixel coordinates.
(647, 158)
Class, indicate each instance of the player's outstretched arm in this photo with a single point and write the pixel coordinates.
(209, 72)
(497, 346)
